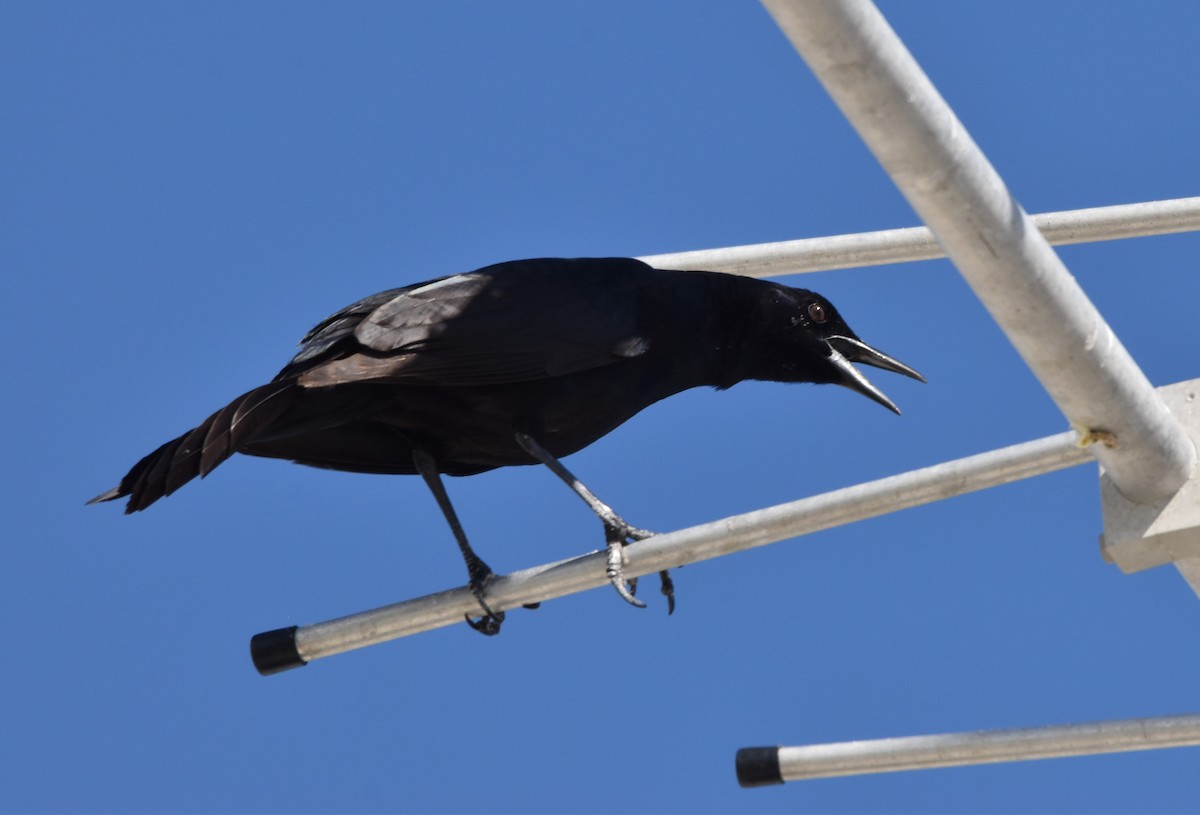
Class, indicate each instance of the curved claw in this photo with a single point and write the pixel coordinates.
(618, 583)
(488, 625)
(668, 590)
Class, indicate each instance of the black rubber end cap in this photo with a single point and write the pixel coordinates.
(275, 651)
(758, 767)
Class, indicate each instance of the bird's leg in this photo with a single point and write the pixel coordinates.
(478, 571)
(617, 531)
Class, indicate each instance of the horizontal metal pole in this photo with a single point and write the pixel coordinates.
(760, 766)
(997, 248)
(288, 648)
(918, 243)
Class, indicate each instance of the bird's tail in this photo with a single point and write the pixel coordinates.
(200, 450)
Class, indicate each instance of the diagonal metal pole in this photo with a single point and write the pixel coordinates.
(999, 251)
(285, 648)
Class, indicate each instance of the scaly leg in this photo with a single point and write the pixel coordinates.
(478, 571)
(616, 529)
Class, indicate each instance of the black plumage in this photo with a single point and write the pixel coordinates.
(516, 363)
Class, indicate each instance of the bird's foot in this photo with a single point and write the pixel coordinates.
(616, 574)
(489, 623)
(617, 535)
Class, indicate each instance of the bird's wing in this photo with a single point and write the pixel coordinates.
(338, 327)
(513, 322)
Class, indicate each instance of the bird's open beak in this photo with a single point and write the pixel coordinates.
(844, 350)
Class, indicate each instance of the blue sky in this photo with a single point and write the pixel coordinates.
(187, 188)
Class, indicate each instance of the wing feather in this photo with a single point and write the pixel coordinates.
(512, 322)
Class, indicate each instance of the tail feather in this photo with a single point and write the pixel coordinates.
(250, 415)
(178, 465)
(199, 451)
(212, 440)
(157, 481)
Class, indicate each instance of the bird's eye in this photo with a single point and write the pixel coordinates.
(817, 312)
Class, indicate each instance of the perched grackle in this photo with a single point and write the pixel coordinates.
(516, 363)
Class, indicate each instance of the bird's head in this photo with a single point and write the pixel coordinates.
(802, 338)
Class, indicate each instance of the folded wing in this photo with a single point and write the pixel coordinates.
(513, 322)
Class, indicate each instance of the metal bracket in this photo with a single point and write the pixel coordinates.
(1140, 536)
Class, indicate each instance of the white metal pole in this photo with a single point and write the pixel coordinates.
(761, 766)
(285, 648)
(918, 243)
(1020, 280)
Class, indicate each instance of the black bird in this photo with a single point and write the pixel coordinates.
(516, 363)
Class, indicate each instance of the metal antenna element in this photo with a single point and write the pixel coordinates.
(997, 247)
(887, 246)
(292, 647)
(762, 766)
